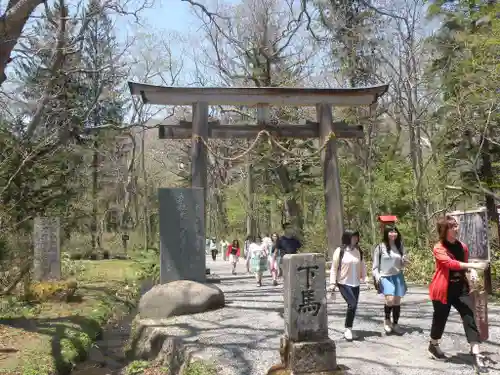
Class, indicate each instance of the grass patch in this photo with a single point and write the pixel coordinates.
(50, 337)
(196, 367)
(199, 367)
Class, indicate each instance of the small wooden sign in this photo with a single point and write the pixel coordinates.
(480, 303)
(473, 232)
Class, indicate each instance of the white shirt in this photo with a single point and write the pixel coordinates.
(268, 243)
(352, 270)
(223, 244)
(213, 245)
(257, 251)
(391, 262)
(353, 261)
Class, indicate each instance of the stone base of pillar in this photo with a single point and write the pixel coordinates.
(315, 357)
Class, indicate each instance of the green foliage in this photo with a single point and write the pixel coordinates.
(53, 290)
(71, 267)
(149, 265)
(137, 367)
(200, 367)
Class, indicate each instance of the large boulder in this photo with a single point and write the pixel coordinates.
(180, 297)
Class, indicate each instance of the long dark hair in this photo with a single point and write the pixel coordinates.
(346, 240)
(347, 237)
(236, 243)
(388, 229)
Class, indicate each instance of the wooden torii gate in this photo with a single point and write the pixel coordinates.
(262, 98)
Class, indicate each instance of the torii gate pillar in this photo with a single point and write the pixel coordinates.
(198, 149)
(331, 178)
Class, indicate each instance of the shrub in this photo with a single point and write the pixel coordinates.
(76, 256)
(199, 367)
(70, 266)
(136, 367)
(53, 290)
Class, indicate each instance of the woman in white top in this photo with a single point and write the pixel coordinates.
(347, 272)
(257, 253)
(388, 263)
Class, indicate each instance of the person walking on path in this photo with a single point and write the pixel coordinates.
(347, 272)
(275, 260)
(258, 258)
(233, 254)
(213, 248)
(288, 243)
(246, 246)
(388, 264)
(450, 287)
(268, 243)
(223, 244)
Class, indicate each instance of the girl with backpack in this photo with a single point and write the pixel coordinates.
(347, 272)
(388, 264)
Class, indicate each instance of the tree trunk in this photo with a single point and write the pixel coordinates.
(293, 212)
(11, 26)
(221, 212)
(250, 195)
(95, 167)
(146, 224)
(487, 172)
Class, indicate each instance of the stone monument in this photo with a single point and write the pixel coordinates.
(305, 346)
(47, 250)
(182, 234)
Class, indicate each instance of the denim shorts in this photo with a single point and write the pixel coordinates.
(393, 285)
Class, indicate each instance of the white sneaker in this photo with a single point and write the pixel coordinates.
(397, 329)
(348, 334)
(387, 326)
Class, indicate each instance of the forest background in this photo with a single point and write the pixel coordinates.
(75, 144)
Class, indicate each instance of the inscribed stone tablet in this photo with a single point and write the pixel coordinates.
(47, 251)
(473, 232)
(182, 234)
(305, 297)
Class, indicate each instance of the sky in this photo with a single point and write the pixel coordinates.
(176, 15)
(162, 19)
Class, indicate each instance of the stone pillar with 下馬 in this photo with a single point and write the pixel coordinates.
(47, 249)
(305, 347)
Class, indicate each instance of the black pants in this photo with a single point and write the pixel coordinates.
(214, 254)
(458, 297)
(351, 296)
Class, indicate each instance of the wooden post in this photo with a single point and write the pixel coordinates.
(198, 149)
(331, 179)
(262, 119)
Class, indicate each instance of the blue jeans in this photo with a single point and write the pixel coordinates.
(351, 296)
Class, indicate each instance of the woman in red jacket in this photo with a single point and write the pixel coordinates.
(233, 253)
(449, 287)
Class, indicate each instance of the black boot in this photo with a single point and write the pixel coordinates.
(435, 352)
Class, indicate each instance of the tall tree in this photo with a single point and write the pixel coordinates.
(255, 43)
(103, 74)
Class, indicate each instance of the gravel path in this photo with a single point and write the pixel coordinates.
(244, 336)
